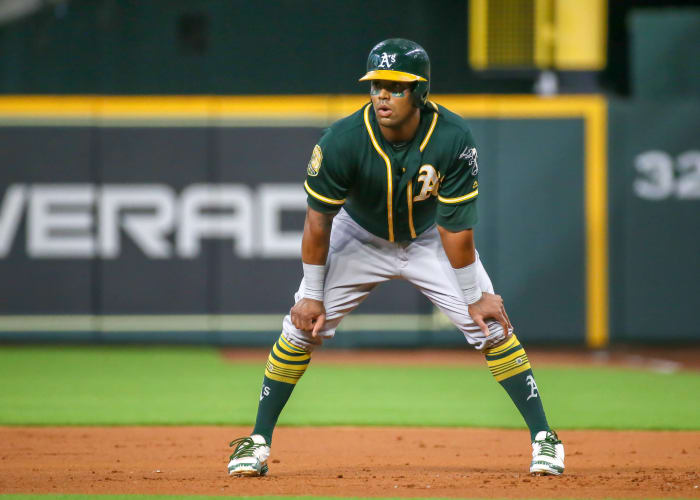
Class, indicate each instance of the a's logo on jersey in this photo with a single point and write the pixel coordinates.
(315, 162)
(387, 60)
(470, 155)
(431, 182)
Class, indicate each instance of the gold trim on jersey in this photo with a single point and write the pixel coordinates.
(391, 75)
(389, 188)
(466, 197)
(320, 197)
(409, 200)
(430, 130)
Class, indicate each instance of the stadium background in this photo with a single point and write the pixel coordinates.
(152, 156)
(589, 198)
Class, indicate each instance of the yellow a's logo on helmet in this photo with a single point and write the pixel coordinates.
(315, 162)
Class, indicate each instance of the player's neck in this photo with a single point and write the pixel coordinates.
(403, 132)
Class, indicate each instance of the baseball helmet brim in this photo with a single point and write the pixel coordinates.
(391, 75)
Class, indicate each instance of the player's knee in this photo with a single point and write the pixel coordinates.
(475, 336)
(493, 342)
(306, 342)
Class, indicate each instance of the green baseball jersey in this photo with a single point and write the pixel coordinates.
(397, 192)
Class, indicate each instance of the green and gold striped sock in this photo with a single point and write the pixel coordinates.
(510, 367)
(286, 362)
(285, 366)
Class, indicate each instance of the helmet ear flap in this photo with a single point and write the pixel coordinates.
(419, 91)
(414, 95)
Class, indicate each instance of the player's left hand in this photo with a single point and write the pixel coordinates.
(308, 315)
(490, 306)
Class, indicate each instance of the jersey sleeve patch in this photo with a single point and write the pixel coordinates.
(460, 184)
(314, 165)
(326, 181)
(470, 155)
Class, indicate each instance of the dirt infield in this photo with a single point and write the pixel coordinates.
(347, 461)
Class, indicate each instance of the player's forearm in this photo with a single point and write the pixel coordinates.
(317, 236)
(460, 251)
(459, 247)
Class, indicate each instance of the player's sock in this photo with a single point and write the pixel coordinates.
(510, 367)
(285, 366)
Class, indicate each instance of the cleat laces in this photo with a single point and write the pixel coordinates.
(547, 446)
(244, 447)
(547, 449)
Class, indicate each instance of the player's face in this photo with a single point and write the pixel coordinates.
(392, 102)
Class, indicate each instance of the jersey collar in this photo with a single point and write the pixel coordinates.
(428, 120)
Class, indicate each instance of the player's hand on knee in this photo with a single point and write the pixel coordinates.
(490, 306)
(308, 315)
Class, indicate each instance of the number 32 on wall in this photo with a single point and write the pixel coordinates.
(659, 179)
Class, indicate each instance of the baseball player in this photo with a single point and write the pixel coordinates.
(392, 193)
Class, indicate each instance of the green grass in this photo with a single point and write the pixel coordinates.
(173, 386)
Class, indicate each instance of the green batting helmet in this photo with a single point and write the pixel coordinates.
(401, 60)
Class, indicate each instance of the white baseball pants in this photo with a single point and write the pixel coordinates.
(358, 261)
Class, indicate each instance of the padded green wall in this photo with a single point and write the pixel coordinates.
(654, 164)
(243, 47)
(664, 53)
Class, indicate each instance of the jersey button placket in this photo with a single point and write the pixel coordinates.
(402, 253)
(399, 245)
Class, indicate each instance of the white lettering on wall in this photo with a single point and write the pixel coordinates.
(273, 199)
(148, 229)
(10, 215)
(60, 220)
(86, 221)
(223, 211)
(661, 177)
(688, 167)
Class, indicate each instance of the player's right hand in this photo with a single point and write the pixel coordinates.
(490, 306)
(308, 315)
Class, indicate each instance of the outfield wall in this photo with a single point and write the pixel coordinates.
(654, 158)
(178, 219)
